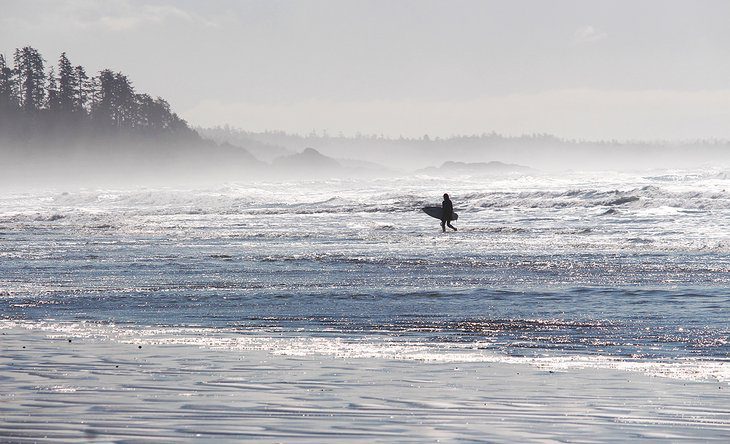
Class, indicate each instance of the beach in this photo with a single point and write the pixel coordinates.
(91, 390)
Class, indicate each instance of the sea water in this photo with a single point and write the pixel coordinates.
(615, 270)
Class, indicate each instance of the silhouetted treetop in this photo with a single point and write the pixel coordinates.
(40, 101)
(30, 79)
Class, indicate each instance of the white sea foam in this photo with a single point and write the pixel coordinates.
(577, 211)
(694, 191)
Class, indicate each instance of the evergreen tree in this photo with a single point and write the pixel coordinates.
(103, 97)
(30, 77)
(84, 89)
(145, 118)
(161, 116)
(66, 85)
(53, 103)
(125, 107)
(8, 101)
(94, 95)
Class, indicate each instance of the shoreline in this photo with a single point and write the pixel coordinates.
(93, 389)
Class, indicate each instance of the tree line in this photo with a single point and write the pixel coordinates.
(37, 100)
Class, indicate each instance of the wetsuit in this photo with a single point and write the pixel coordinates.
(447, 213)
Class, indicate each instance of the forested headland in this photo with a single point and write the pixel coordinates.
(39, 101)
(57, 119)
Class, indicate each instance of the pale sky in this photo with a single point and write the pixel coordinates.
(580, 69)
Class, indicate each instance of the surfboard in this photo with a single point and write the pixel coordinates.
(437, 212)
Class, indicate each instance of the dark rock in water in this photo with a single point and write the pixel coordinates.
(623, 200)
(51, 218)
(640, 240)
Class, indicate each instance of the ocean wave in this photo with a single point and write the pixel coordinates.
(164, 203)
(642, 197)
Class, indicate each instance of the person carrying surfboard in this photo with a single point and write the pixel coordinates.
(447, 213)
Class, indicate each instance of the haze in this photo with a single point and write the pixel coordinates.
(577, 69)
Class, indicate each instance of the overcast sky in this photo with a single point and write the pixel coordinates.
(586, 69)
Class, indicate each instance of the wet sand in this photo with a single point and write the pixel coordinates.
(93, 390)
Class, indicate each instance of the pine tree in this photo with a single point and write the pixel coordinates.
(66, 85)
(124, 101)
(8, 101)
(84, 89)
(94, 97)
(30, 76)
(145, 118)
(53, 102)
(103, 101)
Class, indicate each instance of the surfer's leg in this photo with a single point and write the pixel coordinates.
(443, 226)
(451, 226)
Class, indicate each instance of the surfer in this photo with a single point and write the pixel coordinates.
(447, 213)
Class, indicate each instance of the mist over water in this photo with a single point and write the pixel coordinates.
(563, 267)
